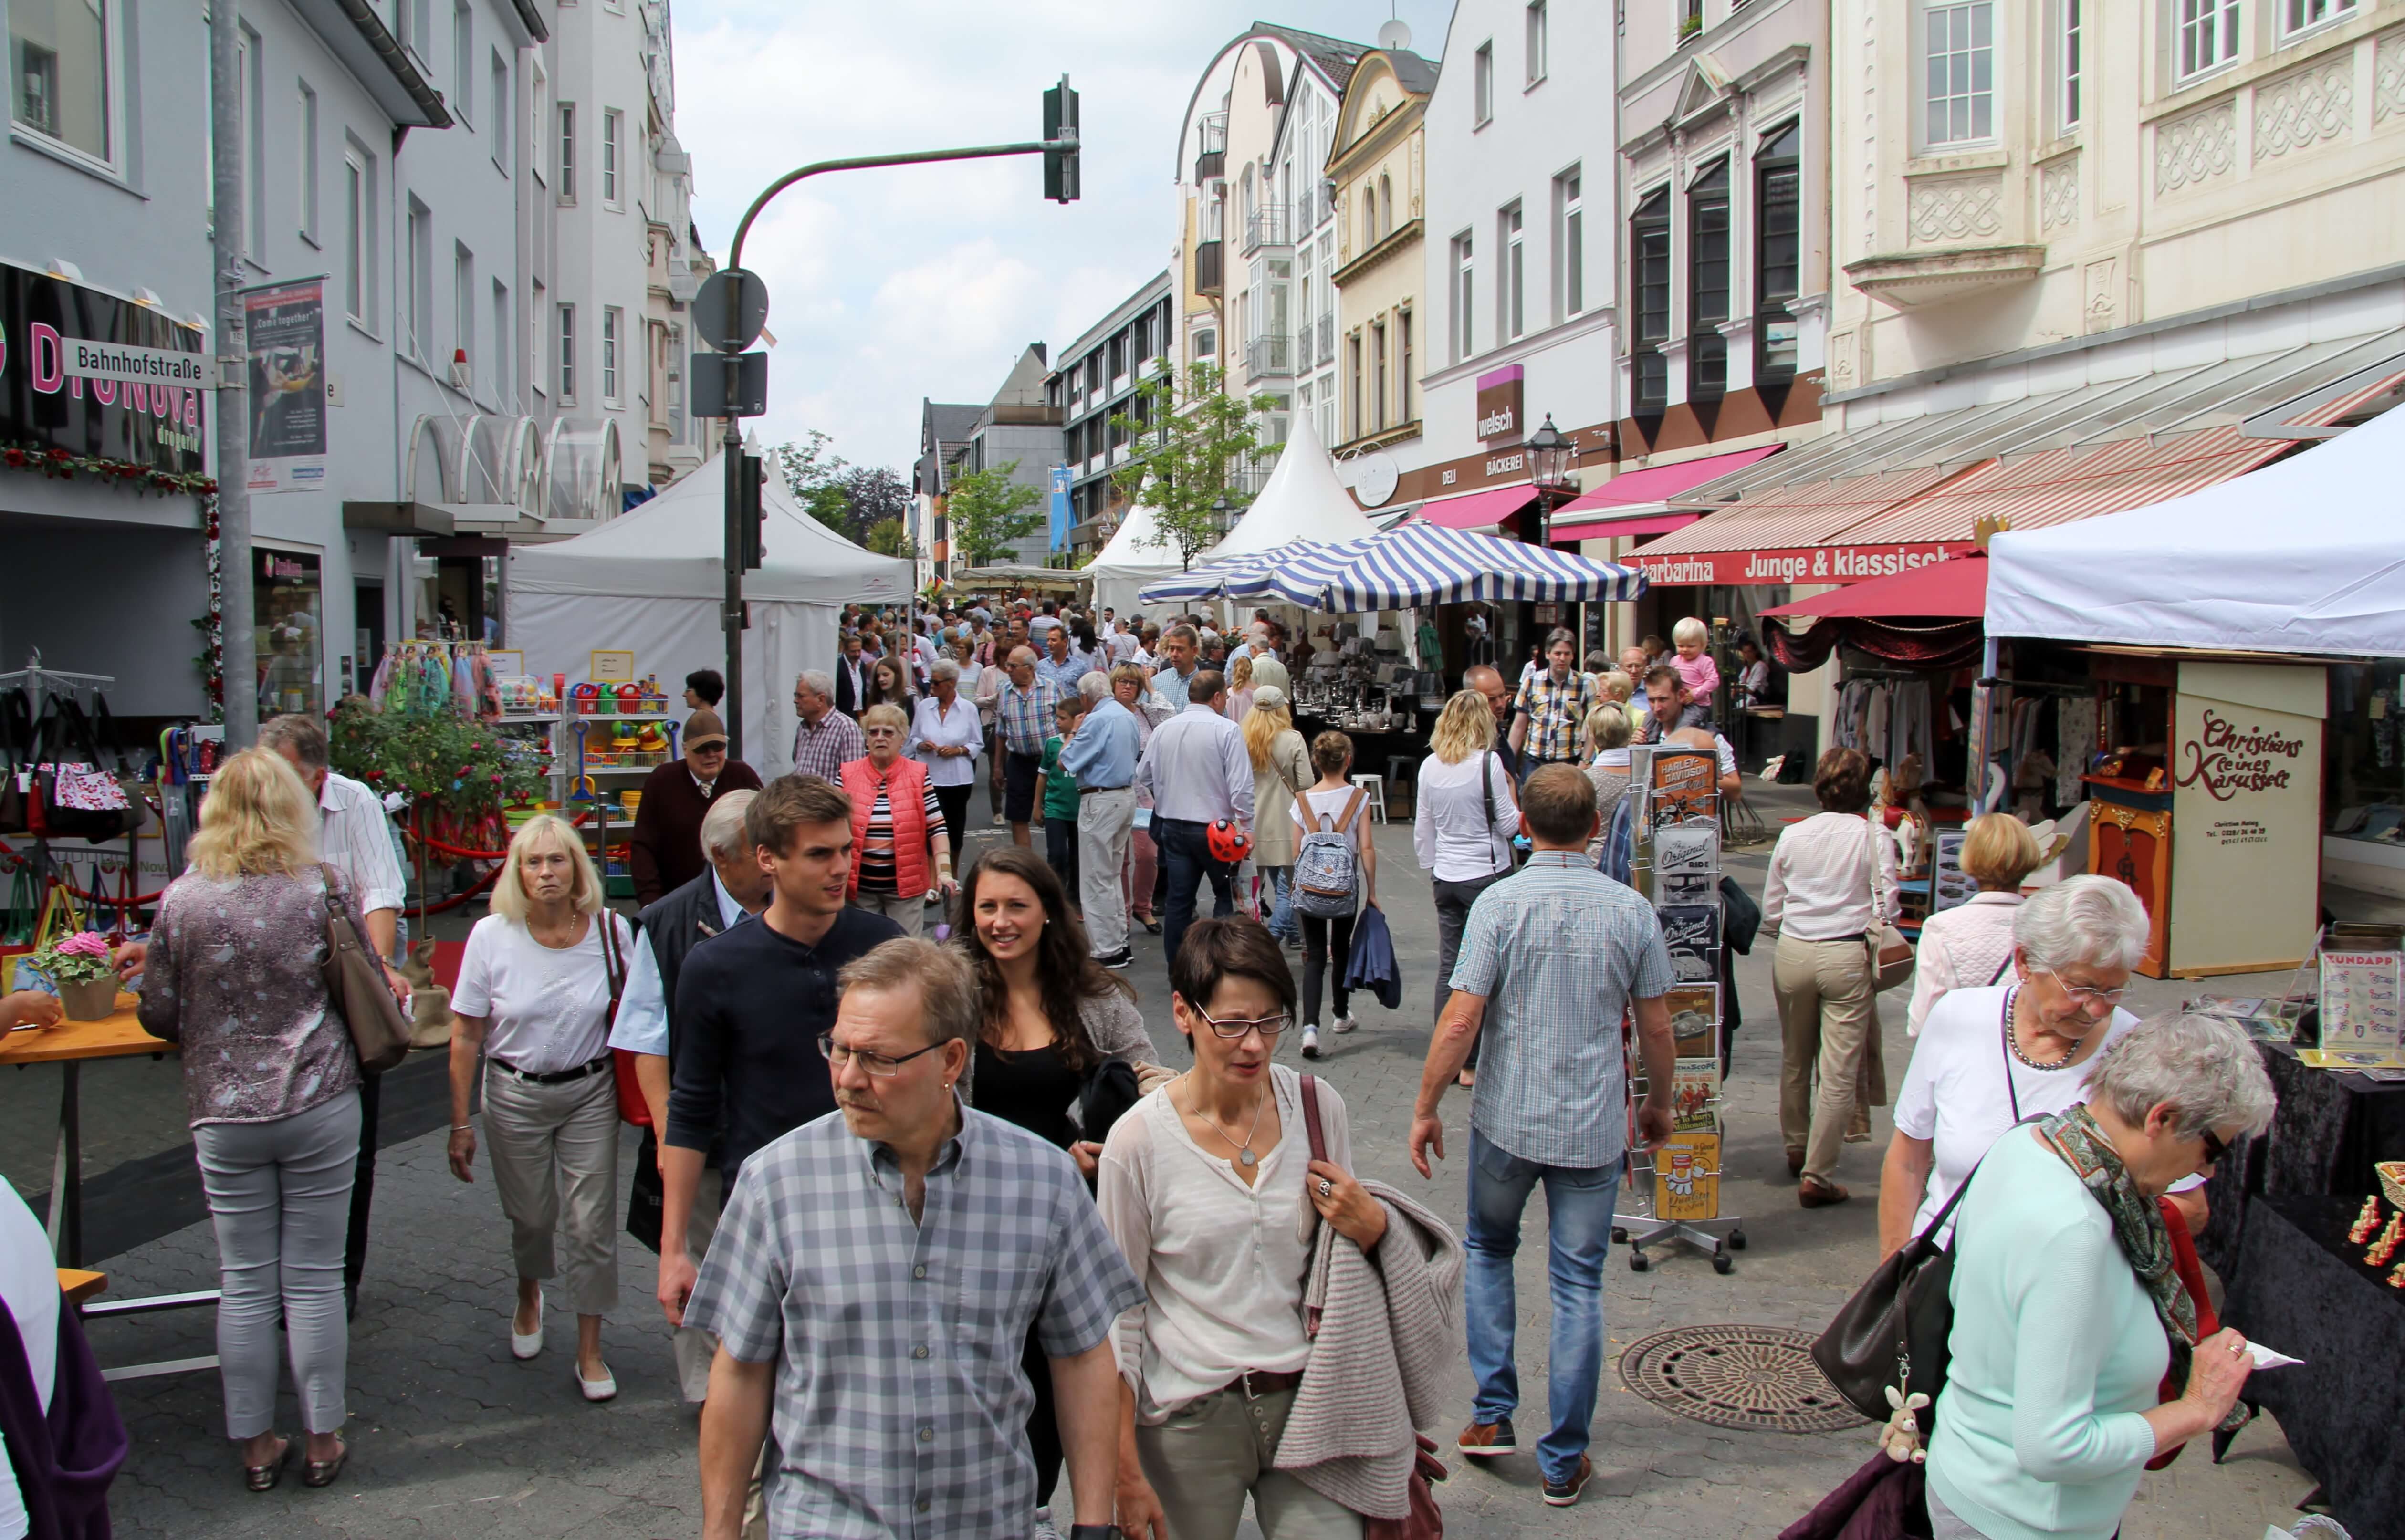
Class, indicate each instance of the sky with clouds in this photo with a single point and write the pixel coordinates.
(928, 281)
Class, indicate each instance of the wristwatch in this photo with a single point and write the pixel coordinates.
(1093, 1531)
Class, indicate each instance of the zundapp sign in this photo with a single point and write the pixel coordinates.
(92, 374)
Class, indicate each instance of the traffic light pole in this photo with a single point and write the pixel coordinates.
(1065, 144)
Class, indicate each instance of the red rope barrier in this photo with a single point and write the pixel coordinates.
(18, 862)
(461, 853)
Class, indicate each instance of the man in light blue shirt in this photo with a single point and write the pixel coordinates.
(1061, 662)
(727, 894)
(1180, 650)
(1103, 758)
(1199, 771)
(1549, 959)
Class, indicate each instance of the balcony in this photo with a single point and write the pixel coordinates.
(1268, 225)
(1271, 357)
(1211, 149)
(1210, 261)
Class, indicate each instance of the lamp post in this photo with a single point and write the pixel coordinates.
(1550, 455)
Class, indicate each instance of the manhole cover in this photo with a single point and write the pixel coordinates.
(1760, 1378)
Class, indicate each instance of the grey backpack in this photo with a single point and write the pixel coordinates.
(1326, 871)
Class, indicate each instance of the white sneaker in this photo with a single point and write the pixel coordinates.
(1311, 1042)
(1345, 1024)
(1044, 1527)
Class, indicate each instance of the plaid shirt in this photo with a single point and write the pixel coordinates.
(1557, 950)
(1557, 714)
(824, 749)
(1026, 715)
(900, 1408)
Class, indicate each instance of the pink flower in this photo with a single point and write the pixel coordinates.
(88, 944)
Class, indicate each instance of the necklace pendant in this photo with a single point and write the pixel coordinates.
(1245, 1157)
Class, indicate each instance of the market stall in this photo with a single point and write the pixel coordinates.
(652, 582)
(1136, 554)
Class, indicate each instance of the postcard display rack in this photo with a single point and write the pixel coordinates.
(1675, 860)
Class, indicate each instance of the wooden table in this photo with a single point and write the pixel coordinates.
(68, 1045)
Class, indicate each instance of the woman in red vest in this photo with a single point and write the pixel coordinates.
(897, 825)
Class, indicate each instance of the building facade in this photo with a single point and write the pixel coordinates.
(1021, 428)
(1377, 165)
(1093, 383)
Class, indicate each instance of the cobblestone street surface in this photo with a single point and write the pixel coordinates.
(451, 1437)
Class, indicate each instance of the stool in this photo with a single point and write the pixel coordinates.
(1376, 788)
(79, 1285)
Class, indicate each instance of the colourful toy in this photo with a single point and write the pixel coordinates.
(630, 697)
(2366, 1222)
(587, 698)
(653, 740)
(2386, 1247)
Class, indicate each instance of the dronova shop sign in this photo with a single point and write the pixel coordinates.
(92, 374)
(285, 326)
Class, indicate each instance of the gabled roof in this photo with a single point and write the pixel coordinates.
(1333, 56)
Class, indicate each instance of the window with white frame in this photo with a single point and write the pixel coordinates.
(2296, 15)
(2208, 35)
(502, 116)
(568, 355)
(359, 215)
(1958, 82)
(1536, 41)
(1649, 287)
(611, 121)
(421, 280)
(1570, 245)
(250, 93)
(538, 306)
(2072, 81)
(1464, 338)
(503, 350)
(568, 152)
(306, 161)
(1403, 378)
(414, 20)
(463, 304)
(62, 73)
(463, 58)
(1482, 83)
(538, 115)
(1510, 278)
(613, 323)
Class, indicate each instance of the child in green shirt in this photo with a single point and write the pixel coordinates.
(1056, 794)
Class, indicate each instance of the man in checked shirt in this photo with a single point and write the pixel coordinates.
(873, 1281)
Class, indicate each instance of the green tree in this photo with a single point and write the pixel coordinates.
(988, 513)
(887, 537)
(1189, 442)
(814, 475)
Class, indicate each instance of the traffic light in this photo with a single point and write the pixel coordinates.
(1061, 123)
(754, 513)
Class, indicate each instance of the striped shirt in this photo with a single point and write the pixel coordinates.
(899, 1408)
(877, 851)
(356, 839)
(1557, 950)
(1026, 716)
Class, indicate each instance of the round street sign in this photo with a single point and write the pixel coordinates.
(730, 310)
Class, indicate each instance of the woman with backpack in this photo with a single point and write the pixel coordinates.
(1281, 770)
(1335, 870)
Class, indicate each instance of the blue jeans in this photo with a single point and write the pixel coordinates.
(1186, 858)
(1578, 1203)
(1282, 921)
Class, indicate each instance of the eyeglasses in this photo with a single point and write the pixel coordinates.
(2213, 1148)
(1236, 1027)
(882, 1066)
(2082, 993)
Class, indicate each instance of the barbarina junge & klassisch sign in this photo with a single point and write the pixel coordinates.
(95, 375)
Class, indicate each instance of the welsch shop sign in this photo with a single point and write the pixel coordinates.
(1794, 564)
(95, 375)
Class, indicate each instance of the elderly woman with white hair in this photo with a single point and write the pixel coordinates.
(536, 987)
(2024, 1046)
(946, 736)
(2068, 1309)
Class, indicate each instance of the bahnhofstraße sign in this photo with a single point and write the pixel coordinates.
(140, 365)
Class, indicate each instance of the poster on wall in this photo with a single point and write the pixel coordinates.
(2246, 784)
(286, 327)
(87, 374)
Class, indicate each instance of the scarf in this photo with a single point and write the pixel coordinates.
(2137, 1225)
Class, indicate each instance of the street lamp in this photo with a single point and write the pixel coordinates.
(1550, 455)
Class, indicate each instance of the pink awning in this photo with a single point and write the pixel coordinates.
(1658, 484)
(1478, 510)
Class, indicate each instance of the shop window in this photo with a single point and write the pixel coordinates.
(288, 611)
(1649, 249)
(1707, 283)
(1778, 218)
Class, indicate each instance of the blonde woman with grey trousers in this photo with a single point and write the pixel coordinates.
(533, 1001)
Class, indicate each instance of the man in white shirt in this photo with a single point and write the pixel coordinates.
(730, 890)
(1199, 771)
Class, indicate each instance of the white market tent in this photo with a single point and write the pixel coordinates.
(1135, 555)
(1303, 501)
(652, 581)
(2303, 556)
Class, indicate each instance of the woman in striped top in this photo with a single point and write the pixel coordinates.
(899, 854)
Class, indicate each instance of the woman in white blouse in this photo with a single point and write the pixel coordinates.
(947, 736)
(1819, 898)
(533, 1001)
(1971, 942)
(1468, 812)
(1205, 1185)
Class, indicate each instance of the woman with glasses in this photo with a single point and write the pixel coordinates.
(1202, 1186)
(2069, 1306)
(900, 856)
(2024, 1048)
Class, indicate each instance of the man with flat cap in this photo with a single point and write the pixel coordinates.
(664, 853)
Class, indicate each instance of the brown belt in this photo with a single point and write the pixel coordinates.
(1255, 1383)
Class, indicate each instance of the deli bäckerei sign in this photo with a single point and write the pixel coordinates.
(1795, 564)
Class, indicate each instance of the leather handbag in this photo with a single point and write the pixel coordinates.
(632, 1108)
(356, 987)
(1890, 950)
(1893, 1331)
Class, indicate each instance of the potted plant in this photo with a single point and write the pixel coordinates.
(78, 967)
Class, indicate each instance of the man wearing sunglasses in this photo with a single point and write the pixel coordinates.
(874, 1280)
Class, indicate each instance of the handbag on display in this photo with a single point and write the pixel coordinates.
(356, 987)
(1890, 950)
(76, 798)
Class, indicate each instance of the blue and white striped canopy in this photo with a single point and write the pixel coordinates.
(1412, 563)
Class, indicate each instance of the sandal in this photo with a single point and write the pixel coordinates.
(264, 1478)
(321, 1473)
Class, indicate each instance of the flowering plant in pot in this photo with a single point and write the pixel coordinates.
(79, 965)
